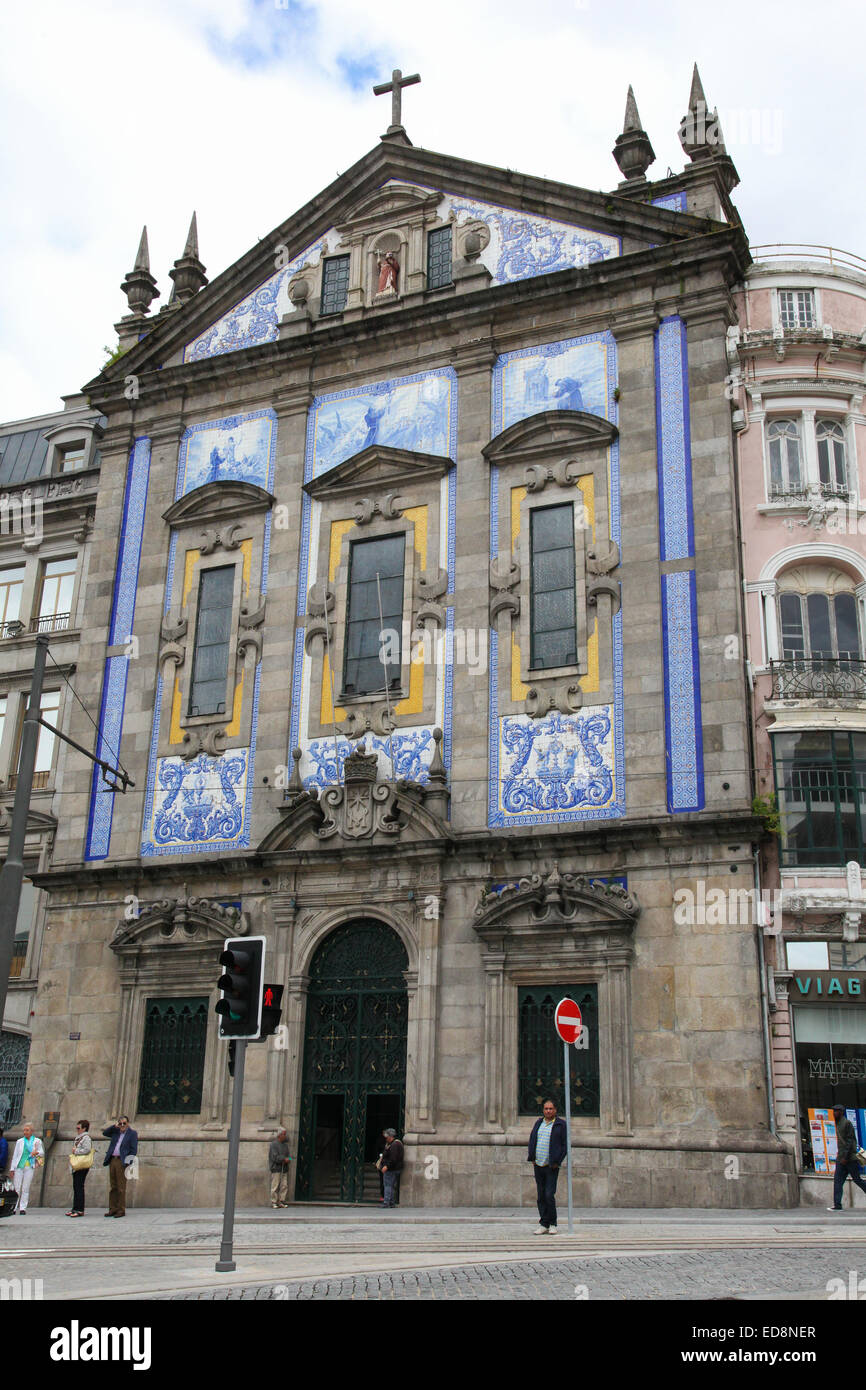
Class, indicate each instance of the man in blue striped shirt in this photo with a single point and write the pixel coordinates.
(547, 1145)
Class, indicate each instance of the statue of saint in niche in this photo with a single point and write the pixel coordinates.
(389, 269)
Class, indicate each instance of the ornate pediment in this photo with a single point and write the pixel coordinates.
(218, 502)
(394, 202)
(377, 468)
(562, 902)
(548, 435)
(173, 922)
(362, 807)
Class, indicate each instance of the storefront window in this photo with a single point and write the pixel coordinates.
(830, 1050)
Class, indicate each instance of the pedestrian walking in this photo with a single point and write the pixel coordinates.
(26, 1158)
(121, 1151)
(279, 1159)
(80, 1161)
(4, 1154)
(392, 1166)
(547, 1146)
(846, 1157)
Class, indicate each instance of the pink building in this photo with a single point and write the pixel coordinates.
(797, 387)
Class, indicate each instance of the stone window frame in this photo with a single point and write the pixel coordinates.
(216, 519)
(220, 560)
(378, 505)
(212, 562)
(380, 529)
(528, 453)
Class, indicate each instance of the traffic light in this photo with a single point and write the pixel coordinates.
(272, 1000)
(240, 1008)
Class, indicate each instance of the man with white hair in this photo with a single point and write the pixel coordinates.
(279, 1159)
(27, 1157)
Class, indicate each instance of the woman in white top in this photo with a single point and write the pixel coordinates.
(27, 1157)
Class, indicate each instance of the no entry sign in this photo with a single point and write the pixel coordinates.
(568, 1020)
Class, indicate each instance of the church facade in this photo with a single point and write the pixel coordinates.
(413, 613)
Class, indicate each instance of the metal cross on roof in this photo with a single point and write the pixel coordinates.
(395, 87)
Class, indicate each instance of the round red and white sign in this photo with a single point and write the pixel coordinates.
(568, 1020)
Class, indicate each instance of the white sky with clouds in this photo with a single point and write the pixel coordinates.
(118, 113)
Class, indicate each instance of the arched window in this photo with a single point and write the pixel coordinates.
(821, 644)
(786, 469)
(830, 438)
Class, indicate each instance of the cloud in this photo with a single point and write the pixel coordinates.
(119, 114)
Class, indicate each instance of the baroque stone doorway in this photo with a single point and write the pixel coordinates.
(354, 1076)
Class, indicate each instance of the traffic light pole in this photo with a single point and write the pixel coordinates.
(225, 1264)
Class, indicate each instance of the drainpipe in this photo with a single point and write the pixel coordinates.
(765, 1006)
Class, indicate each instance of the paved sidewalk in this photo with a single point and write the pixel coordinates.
(164, 1252)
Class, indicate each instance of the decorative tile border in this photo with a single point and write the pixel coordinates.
(563, 767)
(101, 810)
(673, 438)
(683, 733)
(256, 318)
(523, 245)
(684, 756)
(674, 202)
(168, 831)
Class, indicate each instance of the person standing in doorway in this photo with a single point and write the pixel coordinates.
(279, 1159)
(392, 1166)
(27, 1157)
(846, 1157)
(122, 1148)
(547, 1146)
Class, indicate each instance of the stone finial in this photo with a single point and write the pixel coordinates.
(700, 132)
(139, 285)
(188, 273)
(633, 151)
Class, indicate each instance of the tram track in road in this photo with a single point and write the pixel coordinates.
(520, 1247)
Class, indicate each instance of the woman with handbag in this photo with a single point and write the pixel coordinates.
(80, 1161)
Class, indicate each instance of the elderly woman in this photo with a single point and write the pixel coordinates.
(27, 1157)
(80, 1161)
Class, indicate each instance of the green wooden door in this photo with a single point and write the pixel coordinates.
(354, 1077)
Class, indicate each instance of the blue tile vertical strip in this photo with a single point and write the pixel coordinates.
(684, 755)
(98, 838)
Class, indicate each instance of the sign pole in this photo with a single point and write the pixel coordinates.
(568, 1136)
(225, 1263)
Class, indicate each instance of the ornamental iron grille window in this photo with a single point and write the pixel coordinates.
(540, 1060)
(832, 469)
(335, 285)
(553, 619)
(210, 662)
(821, 792)
(439, 258)
(822, 655)
(14, 1053)
(354, 1076)
(172, 1058)
(796, 309)
(786, 472)
(373, 643)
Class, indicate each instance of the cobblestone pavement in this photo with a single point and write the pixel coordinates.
(705, 1275)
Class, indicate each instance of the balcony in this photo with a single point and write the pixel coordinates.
(819, 678)
(52, 622)
(41, 780)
